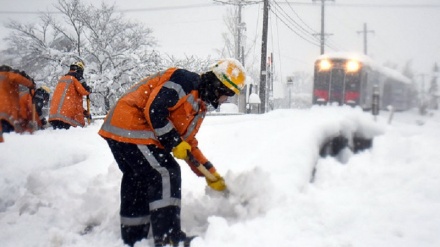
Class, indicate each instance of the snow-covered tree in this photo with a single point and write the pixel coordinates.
(192, 63)
(116, 52)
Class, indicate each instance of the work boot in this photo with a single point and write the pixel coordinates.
(132, 234)
(187, 241)
(180, 237)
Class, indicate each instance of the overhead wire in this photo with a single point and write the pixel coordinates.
(351, 5)
(256, 31)
(302, 30)
(371, 5)
(345, 24)
(299, 32)
(273, 48)
(297, 15)
(291, 20)
(120, 10)
(298, 29)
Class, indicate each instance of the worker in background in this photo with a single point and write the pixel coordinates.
(158, 118)
(10, 80)
(39, 99)
(66, 108)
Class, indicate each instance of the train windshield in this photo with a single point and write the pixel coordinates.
(337, 86)
(321, 81)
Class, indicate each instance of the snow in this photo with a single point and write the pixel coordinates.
(55, 183)
(229, 66)
(228, 108)
(254, 99)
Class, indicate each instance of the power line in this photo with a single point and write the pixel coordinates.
(368, 5)
(5, 12)
(120, 10)
(371, 5)
(351, 5)
(305, 24)
(168, 8)
(292, 21)
(281, 17)
(302, 30)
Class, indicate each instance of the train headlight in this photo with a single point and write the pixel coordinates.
(352, 66)
(324, 64)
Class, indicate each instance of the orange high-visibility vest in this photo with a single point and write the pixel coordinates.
(129, 120)
(67, 102)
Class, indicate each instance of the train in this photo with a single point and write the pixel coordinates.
(355, 79)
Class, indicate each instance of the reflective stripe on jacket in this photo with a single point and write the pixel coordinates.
(162, 110)
(67, 102)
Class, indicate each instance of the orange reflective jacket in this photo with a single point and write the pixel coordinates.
(134, 118)
(9, 96)
(67, 102)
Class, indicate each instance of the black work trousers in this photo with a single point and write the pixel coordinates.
(57, 124)
(150, 192)
(6, 127)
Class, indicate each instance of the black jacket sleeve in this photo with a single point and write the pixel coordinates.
(159, 113)
(183, 81)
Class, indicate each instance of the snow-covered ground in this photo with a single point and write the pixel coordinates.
(53, 184)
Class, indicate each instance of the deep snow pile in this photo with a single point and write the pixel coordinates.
(54, 184)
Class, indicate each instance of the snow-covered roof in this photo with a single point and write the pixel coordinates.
(254, 99)
(347, 55)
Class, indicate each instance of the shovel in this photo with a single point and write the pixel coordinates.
(208, 175)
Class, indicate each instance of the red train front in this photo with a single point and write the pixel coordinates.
(338, 81)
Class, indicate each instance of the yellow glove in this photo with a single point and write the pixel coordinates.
(181, 151)
(219, 184)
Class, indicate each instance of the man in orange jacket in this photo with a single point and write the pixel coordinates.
(158, 116)
(39, 99)
(10, 80)
(66, 107)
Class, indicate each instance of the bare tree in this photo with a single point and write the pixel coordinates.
(36, 48)
(251, 59)
(71, 11)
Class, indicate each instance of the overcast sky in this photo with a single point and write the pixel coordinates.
(401, 33)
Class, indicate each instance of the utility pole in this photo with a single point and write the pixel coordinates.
(240, 27)
(263, 68)
(239, 55)
(365, 32)
(269, 81)
(322, 34)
